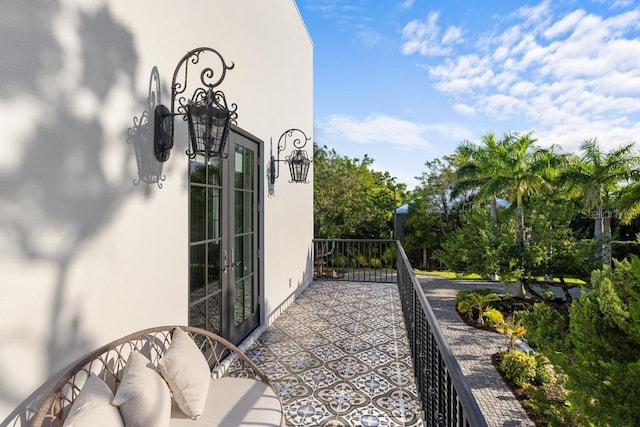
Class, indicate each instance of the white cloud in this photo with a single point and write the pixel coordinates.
(564, 25)
(424, 37)
(618, 4)
(464, 109)
(369, 37)
(407, 4)
(452, 35)
(384, 129)
(570, 76)
(534, 14)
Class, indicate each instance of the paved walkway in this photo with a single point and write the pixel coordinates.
(473, 349)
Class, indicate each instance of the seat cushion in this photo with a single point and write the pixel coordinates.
(235, 402)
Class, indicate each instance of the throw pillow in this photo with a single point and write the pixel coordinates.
(143, 397)
(186, 370)
(92, 407)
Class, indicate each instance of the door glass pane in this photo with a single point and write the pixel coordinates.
(198, 315)
(239, 166)
(198, 170)
(215, 171)
(248, 170)
(248, 296)
(239, 212)
(238, 312)
(214, 314)
(247, 258)
(244, 305)
(197, 282)
(198, 212)
(238, 257)
(247, 214)
(214, 196)
(244, 159)
(213, 269)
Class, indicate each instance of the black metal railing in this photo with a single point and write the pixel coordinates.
(444, 394)
(445, 397)
(355, 260)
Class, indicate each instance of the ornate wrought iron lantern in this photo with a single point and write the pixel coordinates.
(209, 119)
(299, 166)
(298, 160)
(207, 113)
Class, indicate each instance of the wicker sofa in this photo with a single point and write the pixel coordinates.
(239, 393)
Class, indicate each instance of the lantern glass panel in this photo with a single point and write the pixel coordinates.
(208, 126)
(299, 166)
(199, 128)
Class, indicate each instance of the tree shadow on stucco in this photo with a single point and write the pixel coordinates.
(60, 192)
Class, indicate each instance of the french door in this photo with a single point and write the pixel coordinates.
(223, 240)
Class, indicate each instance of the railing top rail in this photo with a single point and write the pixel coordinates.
(468, 401)
(356, 240)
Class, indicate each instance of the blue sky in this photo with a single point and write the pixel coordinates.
(405, 81)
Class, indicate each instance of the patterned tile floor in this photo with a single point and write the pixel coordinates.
(339, 356)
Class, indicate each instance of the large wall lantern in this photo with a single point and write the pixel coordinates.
(206, 110)
(298, 160)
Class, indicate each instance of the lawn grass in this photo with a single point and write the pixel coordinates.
(474, 276)
(450, 275)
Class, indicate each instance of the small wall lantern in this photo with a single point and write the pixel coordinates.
(298, 160)
(206, 111)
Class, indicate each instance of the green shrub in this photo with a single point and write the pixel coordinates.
(542, 374)
(603, 370)
(361, 261)
(375, 263)
(494, 317)
(473, 304)
(339, 260)
(552, 412)
(519, 367)
(513, 329)
(472, 297)
(464, 293)
(546, 328)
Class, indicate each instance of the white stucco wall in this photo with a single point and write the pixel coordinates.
(86, 255)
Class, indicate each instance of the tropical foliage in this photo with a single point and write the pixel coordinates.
(476, 303)
(515, 210)
(351, 200)
(597, 176)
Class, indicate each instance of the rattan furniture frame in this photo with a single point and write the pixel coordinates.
(108, 361)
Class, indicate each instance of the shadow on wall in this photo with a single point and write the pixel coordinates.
(69, 170)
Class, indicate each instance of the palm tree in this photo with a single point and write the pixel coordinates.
(525, 170)
(475, 163)
(629, 200)
(598, 175)
(513, 167)
(477, 302)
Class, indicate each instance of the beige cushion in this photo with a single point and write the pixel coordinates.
(235, 402)
(92, 407)
(187, 372)
(143, 397)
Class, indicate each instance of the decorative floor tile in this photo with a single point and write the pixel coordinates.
(339, 356)
(328, 352)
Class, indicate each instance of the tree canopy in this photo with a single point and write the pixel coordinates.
(351, 200)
